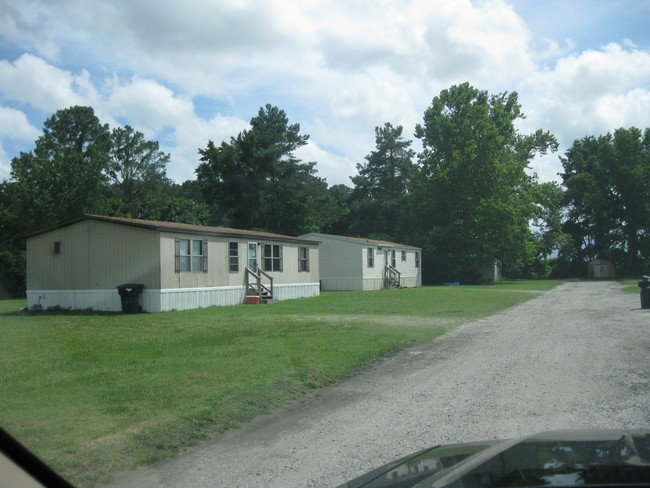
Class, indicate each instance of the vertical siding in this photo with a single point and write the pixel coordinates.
(298, 290)
(344, 264)
(290, 273)
(375, 273)
(153, 300)
(411, 276)
(219, 267)
(339, 259)
(93, 256)
(217, 275)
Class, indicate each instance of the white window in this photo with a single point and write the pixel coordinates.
(272, 257)
(417, 259)
(233, 257)
(392, 258)
(252, 256)
(191, 255)
(403, 256)
(303, 259)
(371, 257)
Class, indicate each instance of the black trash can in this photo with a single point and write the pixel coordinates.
(130, 295)
(644, 284)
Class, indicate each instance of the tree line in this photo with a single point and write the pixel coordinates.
(468, 198)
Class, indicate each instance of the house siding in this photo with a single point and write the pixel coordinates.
(219, 275)
(344, 263)
(93, 256)
(341, 265)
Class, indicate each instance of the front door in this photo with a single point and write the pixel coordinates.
(252, 256)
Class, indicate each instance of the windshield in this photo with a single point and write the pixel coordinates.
(558, 463)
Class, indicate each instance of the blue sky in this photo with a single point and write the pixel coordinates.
(187, 72)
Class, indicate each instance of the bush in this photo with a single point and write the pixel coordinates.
(12, 274)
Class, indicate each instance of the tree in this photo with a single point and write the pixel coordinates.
(256, 182)
(185, 210)
(65, 175)
(607, 180)
(12, 252)
(334, 212)
(381, 184)
(472, 198)
(137, 174)
(548, 225)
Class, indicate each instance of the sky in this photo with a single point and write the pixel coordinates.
(185, 73)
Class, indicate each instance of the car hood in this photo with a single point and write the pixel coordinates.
(553, 458)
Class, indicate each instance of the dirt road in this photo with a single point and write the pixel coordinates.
(575, 357)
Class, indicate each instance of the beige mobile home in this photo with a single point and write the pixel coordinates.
(79, 265)
(352, 263)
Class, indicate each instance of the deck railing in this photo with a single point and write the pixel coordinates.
(392, 277)
(255, 286)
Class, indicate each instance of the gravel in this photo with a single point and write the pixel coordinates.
(574, 357)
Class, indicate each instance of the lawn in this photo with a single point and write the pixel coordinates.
(92, 393)
(631, 286)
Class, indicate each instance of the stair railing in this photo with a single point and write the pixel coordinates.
(392, 277)
(255, 286)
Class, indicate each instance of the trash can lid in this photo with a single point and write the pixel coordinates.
(130, 286)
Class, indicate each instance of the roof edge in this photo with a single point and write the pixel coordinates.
(177, 227)
(363, 241)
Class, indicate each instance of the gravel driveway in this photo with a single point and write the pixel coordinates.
(574, 357)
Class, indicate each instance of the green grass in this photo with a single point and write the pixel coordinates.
(92, 393)
(631, 286)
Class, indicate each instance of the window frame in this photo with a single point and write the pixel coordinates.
(233, 257)
(186, 259)
(371, 257)
(272, 258)
(303, 259)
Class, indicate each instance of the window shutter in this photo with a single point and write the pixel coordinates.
(177, 256)
(204, 248)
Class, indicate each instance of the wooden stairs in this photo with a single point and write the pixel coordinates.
(392, 277)
(259, 288)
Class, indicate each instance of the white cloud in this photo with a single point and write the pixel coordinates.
(23, 24)
(337, 68)
(14, 125)
(5, 164)
(592, 93)
(33, 81)
(335, 169)
(193, 135)
(148, 105)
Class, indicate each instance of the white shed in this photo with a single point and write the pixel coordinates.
(354, 263)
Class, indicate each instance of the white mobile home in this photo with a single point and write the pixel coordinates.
(79, 265)
(353, 263)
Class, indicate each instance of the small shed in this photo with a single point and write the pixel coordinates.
(601, 269)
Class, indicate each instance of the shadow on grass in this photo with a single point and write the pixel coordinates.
(56, 312)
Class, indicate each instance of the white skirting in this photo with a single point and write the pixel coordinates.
(100, 300)
(159, 300)
(364, 284)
